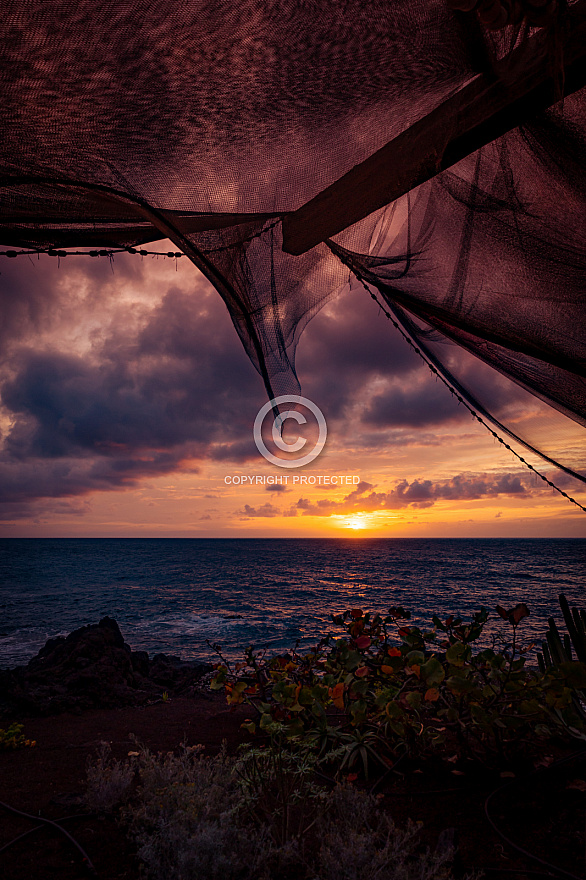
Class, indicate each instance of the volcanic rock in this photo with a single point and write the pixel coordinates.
(93, 667)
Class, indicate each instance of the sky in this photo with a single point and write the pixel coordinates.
(128, 404)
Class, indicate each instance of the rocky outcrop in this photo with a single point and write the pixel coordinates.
(94, 667)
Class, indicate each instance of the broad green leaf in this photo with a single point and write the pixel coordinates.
(456, 653)
(393, 710)
(415, 658)
(459, 685)
(413, 699)
(432, 672)
(265, 721)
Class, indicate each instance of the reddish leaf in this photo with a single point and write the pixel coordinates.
(356, 613)
(387, 670)
(431, 695)
(519, 612)
(394, 652)
(337, 695)
(363, 642)
(361, 671)
(513, 615)
(399, 613)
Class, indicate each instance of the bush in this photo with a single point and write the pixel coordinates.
(361, 842)
(12, 737)
(108, 781)
(199, 818)
(386, 688)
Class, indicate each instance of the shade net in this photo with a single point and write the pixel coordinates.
(207, 122)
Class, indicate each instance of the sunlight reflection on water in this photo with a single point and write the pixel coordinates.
(172, 595)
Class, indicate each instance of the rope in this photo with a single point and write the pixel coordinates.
(458, 396)
(109, 252)
(86, 859)
(559, 871)
(104, 252)
(39, 827)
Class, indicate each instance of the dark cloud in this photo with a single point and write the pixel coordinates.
(266, 510)
(350, 348)
(418, 494)
(347, 346)
(160, 382)
(276, 487)
(417, 407)
(386, 439)
(135, 405)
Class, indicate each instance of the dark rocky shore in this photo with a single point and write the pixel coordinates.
(93, 667)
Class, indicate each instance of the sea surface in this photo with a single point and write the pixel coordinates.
(175, 595)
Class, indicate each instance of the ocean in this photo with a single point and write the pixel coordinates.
(175, 595)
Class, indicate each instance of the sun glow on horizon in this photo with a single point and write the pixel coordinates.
(356, 522)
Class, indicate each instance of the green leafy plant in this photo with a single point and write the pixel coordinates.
(387, 688)
(361, 842)
(558, 649)
(279, 788)
(557, 652)
(262, 815)
(13, 737)
(108, 780)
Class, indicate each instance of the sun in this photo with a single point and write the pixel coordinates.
(356, 522)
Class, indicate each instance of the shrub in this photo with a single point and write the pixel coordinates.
(12, 737)
(183, 818)
(108, 781)
(387, 688)
(361, 842)
(194, 817)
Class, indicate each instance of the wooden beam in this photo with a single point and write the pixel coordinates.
(25, 231)
(520, 86)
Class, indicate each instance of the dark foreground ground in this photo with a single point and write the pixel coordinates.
(544, 812)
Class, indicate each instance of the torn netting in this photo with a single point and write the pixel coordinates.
(494, 259)
(203, 122)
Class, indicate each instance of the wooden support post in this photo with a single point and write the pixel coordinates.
(521, 85)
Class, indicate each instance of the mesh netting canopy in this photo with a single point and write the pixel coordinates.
(211, 123)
